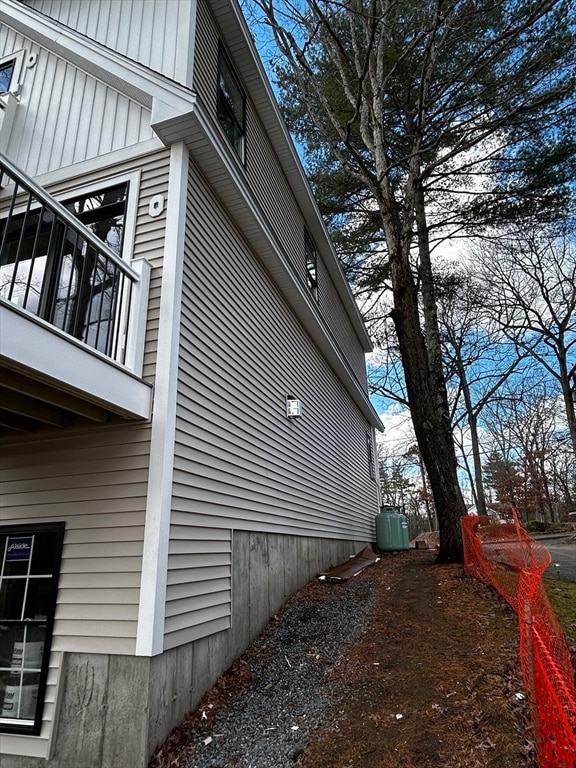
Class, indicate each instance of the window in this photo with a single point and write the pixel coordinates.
(231, 104)
(49, 270)
(370, 456)
(12, 68)
(29, 569)
(311, 265)
(6, 72)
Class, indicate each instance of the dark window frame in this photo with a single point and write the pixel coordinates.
(231, 114)
(311, 256)
(370, 456)
(32, 726)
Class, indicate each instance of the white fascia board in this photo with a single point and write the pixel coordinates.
(152, 607)
(130, 78)
(29, 344)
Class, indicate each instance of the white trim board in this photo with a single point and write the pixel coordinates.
(151, 613)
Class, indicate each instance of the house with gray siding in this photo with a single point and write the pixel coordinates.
(186, 436)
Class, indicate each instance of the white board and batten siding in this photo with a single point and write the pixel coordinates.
(129, 26)
(64, 115)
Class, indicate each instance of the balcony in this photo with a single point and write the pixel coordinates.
(72, 311)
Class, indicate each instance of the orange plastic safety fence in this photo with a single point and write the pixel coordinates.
(507, 558)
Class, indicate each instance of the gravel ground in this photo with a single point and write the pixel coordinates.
(268, 724)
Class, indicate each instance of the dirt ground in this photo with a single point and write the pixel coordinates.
(434, 681)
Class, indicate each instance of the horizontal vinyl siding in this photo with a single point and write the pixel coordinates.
(238, 458)
(340, 326)
(206, 57)
(149, 245)
(198, 596)
(263, 171)
(272, 190)
(94, 481)
(65, 116)
(273, 194)
(129, 26)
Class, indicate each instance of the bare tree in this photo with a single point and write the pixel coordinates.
(478, 361)
(399, 474)
(525, 433)
(530, 287)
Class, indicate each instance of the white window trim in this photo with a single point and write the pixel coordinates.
(18, 74)
(9, 100)
(100, 185)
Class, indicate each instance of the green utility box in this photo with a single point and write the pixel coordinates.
(391, 530)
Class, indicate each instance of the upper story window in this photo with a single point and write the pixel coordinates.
(311, 265)
(12, 69)
(231, 104)
(6, 73)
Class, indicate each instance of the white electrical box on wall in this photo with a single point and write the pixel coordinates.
(293, 408)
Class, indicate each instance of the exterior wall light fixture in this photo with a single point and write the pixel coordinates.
(293, 407)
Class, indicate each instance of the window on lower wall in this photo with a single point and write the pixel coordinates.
(29, 570)
(370, 456)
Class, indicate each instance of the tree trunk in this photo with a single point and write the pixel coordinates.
(425, 487)
(473, 424)
(428, 401)
(569, 395)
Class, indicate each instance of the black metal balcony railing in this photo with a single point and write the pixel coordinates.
(57, 268)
